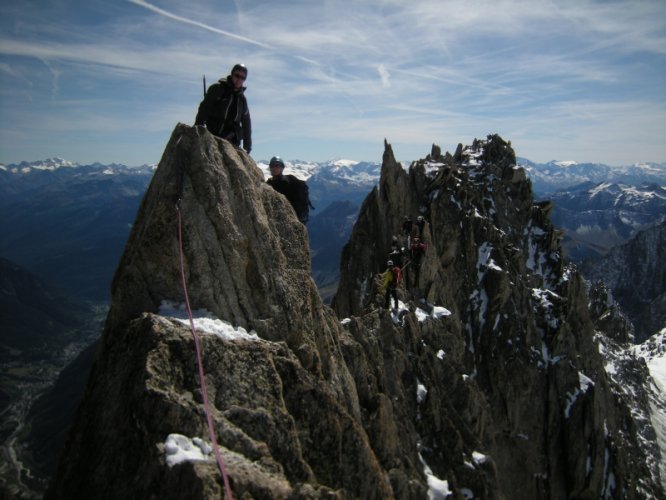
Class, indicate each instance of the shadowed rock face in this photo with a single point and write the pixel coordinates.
(636, 272)
(506, 397)
(520, 377)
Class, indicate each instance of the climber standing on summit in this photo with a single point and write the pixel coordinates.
(224, 109)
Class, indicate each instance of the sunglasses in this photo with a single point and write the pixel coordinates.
(240, 76)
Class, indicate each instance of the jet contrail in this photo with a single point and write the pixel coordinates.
(165, 13)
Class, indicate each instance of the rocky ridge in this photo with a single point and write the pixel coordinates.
(519, 343)
(504, 395)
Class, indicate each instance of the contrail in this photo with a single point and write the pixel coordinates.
(165, 13)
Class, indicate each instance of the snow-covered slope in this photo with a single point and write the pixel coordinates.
(645, 387)
(653, 351)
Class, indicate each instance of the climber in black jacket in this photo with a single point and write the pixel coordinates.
(295, 190)
(224, 109)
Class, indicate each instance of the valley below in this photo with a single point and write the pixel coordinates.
(22, 383)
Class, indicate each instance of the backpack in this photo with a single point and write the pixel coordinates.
(301, 198)
(396, 276)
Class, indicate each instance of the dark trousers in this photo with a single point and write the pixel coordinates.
(417, 272)
(387, 297)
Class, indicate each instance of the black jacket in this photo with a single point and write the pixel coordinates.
(296, 191)
(226, 114)
(287, 185)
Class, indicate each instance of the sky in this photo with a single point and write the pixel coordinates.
(107, 81)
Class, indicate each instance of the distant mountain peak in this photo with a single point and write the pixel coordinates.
(53, 163)
(554, 176)
(56, 164)
(565, 163)
(604, 187)
(344, 163)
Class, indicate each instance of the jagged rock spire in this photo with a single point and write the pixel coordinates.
(246, 262)
(524, 341)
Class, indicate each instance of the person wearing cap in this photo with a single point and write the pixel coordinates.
(295, 190)
(420, 223)
(397, 252)
(224, 110)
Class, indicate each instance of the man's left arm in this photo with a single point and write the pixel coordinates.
(247, 129)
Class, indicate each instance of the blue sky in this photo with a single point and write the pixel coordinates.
(108, 80)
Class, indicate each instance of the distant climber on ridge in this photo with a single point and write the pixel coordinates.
(407, 225)
(416, 252)
(224, 109)
(397, 254)
(295, 190)
(390, 281)
(420, 223)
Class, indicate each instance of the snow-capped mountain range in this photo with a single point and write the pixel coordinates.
(597, 217)
(606, 207)
(48, 164)
(347, 170)
(55, 163)
(546, 177)
(556, 175)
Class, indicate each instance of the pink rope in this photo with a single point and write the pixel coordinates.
(202, 379)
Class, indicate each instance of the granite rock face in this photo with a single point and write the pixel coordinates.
(246, 261)
(488, 381)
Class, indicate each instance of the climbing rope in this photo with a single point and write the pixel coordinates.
(197, 346)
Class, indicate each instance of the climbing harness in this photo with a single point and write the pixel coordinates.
(202, 379)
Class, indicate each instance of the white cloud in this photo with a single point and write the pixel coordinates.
(198, 24)
(384, 75)
(556, 74)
